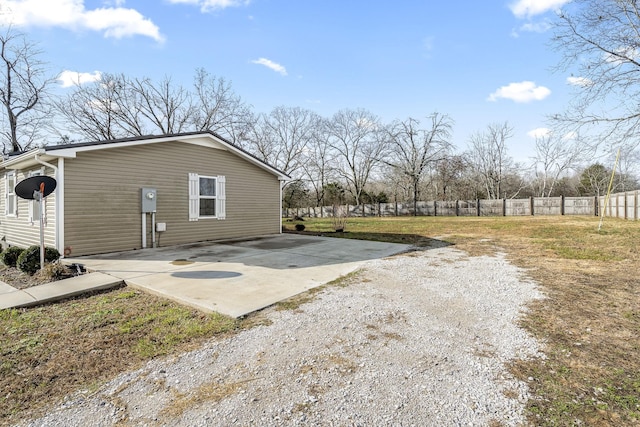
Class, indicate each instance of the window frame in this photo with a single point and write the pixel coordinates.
(206, 197)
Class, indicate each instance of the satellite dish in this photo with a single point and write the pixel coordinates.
(28, 186)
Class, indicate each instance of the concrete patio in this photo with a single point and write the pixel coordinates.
(239, 277)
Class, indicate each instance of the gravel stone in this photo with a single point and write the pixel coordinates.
(418, 339)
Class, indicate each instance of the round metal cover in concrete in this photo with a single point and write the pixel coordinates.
(206, 274)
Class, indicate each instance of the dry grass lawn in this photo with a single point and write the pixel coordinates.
(589, 324)
(50, 351)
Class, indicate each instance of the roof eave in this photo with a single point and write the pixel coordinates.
(21, 161)
(71, 150)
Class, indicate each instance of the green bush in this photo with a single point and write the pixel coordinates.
(10, 255)
(29, 259)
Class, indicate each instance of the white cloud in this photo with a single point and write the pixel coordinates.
(103, 105)
(211, 5)
(73, 78)
(546, 132)
(114, 22)
(579, 81)
(622, 55)
(521, 92)
(532, 27)
(536, 27)
(271, 65)
(539, 132)
(529, 8)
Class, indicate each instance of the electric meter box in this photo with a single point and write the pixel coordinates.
(149, 197)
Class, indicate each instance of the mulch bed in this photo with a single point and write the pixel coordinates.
(20, 280)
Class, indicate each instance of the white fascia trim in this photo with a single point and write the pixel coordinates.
(27, 156)
(219, 143)
(71, 152)
(256, 162)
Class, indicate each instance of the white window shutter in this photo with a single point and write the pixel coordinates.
(194, 199)
(16, 203)
(221, 198)
(6, 194)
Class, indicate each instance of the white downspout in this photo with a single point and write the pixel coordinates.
(144, 230)
(59, 234)
(282, 184)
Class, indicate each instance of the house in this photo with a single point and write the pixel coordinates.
(201, 187)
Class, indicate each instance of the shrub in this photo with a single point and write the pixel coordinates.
(54, 271)
(300, 227)
(10, 256)
(29, 259)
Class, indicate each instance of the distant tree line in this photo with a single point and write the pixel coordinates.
(351, 157)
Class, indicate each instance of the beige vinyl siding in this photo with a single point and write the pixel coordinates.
(19, 230)
(103, 192)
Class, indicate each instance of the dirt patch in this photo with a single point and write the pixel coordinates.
(182, 262)
(19, 280)
(52, 272)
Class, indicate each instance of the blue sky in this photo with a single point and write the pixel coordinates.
(481, 62)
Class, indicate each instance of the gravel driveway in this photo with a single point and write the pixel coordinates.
(417, 339)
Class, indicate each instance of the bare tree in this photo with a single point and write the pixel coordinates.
(490, 159)
(355, 135)
(629, 167)
(118, 106)
(448, 177)
(600, 38)
(414, 148)
(102, 110)
(282, 138)
(291, 131)
(398, 184)
(217, 108)
(165, 106)
(23, 91)
(253, 138)
(318, 170)
(554, 157)
(594, 180)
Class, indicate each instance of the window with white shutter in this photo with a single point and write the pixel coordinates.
(206, 197)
